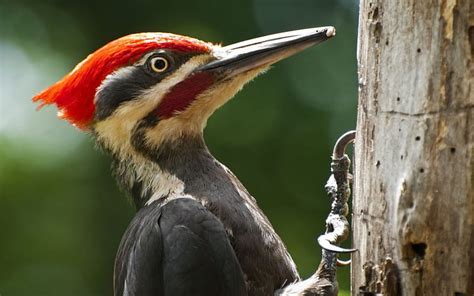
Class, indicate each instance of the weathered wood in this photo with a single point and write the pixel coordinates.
(413, 209)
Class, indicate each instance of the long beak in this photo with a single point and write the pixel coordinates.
(264, 51)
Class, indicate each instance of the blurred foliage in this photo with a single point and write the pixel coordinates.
(62, 216)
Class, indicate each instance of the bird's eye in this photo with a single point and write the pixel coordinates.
(159, 64)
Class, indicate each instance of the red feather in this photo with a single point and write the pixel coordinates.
(74, 94)
(183, 94)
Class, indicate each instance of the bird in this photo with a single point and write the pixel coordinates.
(145, 98)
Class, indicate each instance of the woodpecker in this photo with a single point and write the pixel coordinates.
(146, 98)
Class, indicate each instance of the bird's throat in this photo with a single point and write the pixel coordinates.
(164, 172)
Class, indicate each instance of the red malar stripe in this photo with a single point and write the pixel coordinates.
(183, 94)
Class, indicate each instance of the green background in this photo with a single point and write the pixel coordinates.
(61, 214)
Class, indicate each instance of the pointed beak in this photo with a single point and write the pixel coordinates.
(264, 51)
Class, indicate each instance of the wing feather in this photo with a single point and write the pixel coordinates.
(179, 248)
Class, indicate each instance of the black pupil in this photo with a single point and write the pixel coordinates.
(159, 64)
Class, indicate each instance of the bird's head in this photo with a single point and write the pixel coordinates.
(153, 87)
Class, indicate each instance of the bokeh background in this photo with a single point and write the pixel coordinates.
(61, 214)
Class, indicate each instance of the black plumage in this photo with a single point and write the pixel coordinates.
(214, 202)
(177, 248)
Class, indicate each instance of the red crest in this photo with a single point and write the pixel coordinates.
(74, 93)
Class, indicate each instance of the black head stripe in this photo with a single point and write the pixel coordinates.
(138, 136)
(121, 89)
(128, 83)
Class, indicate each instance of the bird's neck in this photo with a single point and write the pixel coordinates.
(167, 171)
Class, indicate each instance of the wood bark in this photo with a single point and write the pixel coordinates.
(413, 206)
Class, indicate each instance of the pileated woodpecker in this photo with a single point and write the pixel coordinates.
(146, 99)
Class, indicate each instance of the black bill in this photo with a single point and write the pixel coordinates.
(246, 55)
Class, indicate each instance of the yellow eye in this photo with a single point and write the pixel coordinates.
(159, 64)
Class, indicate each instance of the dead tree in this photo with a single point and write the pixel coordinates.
(413, 209)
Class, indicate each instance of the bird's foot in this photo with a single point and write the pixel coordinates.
(324, 281)
(337, 227)
(338, 189)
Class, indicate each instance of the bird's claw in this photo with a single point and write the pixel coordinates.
(338, 188)
(343, 262)
(337, 227)
(324, 243)
(341, 144)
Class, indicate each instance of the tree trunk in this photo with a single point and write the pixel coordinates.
(413, 205)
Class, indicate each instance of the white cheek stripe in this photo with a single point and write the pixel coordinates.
(115, 134)
(115, 131)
